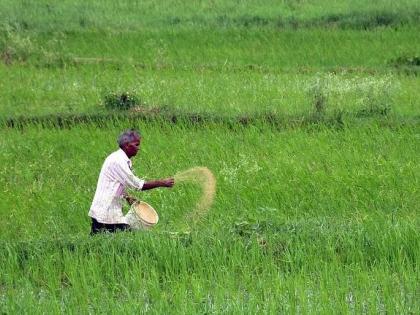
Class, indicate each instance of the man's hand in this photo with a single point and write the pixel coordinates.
(168, 182)
(130, 200)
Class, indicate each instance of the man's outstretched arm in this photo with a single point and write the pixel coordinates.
(167, 182)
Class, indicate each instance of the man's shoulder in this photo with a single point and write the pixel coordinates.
(116, 157)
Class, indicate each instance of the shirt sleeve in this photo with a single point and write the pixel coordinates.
(125, 176)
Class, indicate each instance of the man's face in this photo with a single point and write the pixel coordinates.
(132, 147)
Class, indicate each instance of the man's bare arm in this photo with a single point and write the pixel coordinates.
(167, 182)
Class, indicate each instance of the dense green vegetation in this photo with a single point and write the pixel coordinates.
(134, 15)
(311, 172)
(307, 112)
(44, 91)
(55, 66)
(316, 218)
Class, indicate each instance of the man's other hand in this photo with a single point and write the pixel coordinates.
(130, 200)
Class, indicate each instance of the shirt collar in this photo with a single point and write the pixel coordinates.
(124, 155)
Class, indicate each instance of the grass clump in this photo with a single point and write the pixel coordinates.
(365, 20)
(410, 61)
(407, 64)
(14, 46)
(121, 101)
(319, 98)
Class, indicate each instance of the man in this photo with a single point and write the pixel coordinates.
(116, 175)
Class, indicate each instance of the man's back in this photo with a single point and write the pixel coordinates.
(114, 177)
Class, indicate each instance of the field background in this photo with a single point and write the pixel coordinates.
(307, 112)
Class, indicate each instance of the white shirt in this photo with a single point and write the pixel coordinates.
(115, 176)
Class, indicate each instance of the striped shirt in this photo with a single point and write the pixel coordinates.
(115, 176)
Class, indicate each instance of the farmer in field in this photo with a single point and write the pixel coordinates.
(116, 175)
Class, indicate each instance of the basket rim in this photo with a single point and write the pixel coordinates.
(150, 208)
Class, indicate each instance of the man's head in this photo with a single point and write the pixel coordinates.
(129, 142)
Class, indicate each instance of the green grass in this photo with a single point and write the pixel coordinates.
(320, 219)
(225, 71)
(31, 92)
(306, 112)
(314, 173)
(217, 272)
(219, 48)
(62, 68)
(132, 15)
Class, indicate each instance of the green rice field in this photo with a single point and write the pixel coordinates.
(306, 112)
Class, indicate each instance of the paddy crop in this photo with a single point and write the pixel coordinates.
(318, 219)
(305, 173)
(225, 71)
(208, 61)
(132, 16)
(32, 92)
(306, 112)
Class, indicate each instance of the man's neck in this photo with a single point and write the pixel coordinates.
(129, 157)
